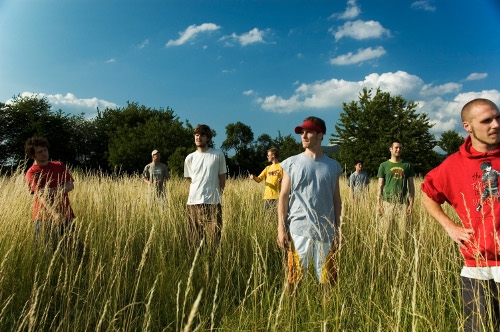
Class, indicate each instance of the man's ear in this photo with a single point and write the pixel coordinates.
(467, 127)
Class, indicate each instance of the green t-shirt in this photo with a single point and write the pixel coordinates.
(396, 177)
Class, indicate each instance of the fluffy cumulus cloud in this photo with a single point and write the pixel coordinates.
(251, 37)
(424, 5)
(69, 103)
(361, 56)
(442, 103)
(191, 32)
(352, 11)
(360, 30)
(476, 76)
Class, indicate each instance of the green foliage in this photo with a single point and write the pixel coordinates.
(238, 137)
(176, 161)
(287, 146)
(29, 116)
(250, 157)
(367, 127)
(450, 141)
(134, 131)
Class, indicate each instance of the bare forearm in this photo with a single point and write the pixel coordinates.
(411, 190)
(222, 181)
(380, 188)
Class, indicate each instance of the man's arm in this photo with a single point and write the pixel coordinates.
(259, 178)
(222, 182)
(145, 175)
(337, 204)
(411, 195)
(46, 198)
(458, 233)
(283, 211)
(380, 188)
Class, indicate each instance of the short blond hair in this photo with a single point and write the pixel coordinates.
(465, 114)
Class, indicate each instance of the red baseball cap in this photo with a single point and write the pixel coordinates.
(309, 125)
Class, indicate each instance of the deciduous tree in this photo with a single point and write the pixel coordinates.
(367, 127)
(450, 141)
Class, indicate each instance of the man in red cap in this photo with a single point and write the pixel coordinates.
(310, 206)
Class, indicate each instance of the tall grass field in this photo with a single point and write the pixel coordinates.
(138, 272)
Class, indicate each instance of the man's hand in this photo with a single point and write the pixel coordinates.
(460, 234)
(380, 209)
(282, 238)
(409, 209)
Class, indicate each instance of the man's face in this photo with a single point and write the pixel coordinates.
(311, 138)
(41, 155)
(484, 127)
(358, 167)
(396, 150)
(200, 140)
(270, 156)
(156, 157)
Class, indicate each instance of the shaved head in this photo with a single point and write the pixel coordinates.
(466, 110)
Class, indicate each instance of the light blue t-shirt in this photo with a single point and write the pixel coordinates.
(313, 180)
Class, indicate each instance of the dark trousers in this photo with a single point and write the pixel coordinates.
(48, 234)
(481, 305)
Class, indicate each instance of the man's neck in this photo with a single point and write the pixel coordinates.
(396, 159)
(484, 147)
(202, 148)
(40, 163)
(314, 152)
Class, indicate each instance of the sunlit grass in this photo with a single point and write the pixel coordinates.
(138, 272)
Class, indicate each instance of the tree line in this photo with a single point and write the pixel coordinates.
(120, 139)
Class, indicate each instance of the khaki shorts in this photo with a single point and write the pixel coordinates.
(204, 219)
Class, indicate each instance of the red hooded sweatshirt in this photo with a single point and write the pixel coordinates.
(469, 180)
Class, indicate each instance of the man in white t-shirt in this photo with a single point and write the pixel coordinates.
(207, 169)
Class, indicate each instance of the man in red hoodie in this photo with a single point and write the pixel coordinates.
(459, 181)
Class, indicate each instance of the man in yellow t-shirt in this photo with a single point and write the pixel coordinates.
(272, 175)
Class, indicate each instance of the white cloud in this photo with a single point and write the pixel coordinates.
(430, 90)
(476, 76)
(362, 55)
(251, 37)
(143, 44)
(112, 60)
(424, 5)
(248, 92)
(191, 32)
(352, 11)
(69, 103)
(360, 30)
(442, 103)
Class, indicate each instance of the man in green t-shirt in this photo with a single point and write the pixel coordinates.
(395, 190)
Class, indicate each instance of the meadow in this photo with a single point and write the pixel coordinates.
(138, 273)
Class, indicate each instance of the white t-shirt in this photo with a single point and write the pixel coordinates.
(204, 169)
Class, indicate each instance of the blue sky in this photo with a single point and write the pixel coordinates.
(268, 64)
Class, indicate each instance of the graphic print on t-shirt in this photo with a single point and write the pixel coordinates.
(489, 183)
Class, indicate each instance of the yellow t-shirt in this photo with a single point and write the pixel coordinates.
(272, 175)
